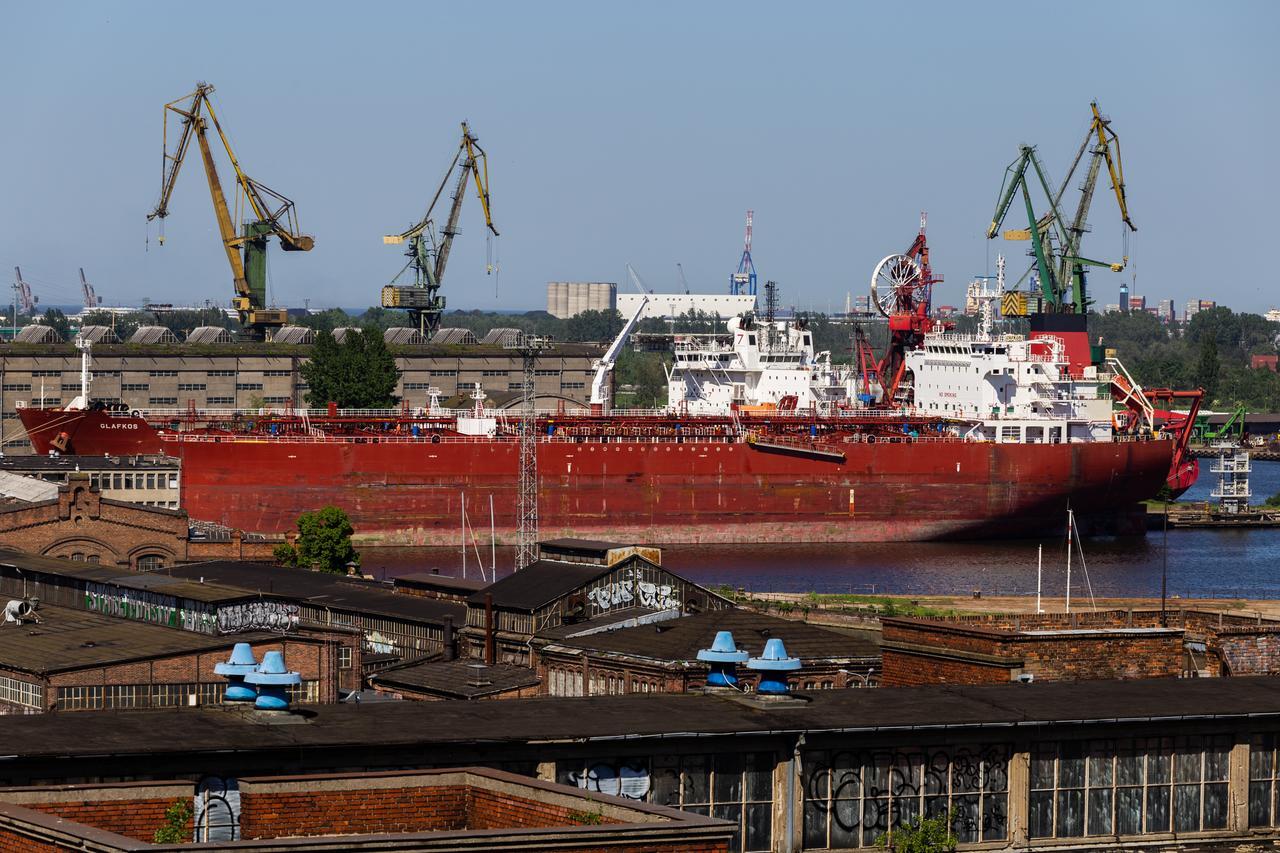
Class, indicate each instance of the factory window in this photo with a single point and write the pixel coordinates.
(306, 693)
(276, 401)
(852, 797)
(515, 386)
(17, 386)
(213, 693)
(221, 373)
(57, 373)
(46, 401)
(93, 558)
(277, 373)
(221, 401)
(134, 386)
(1129, 787)
(150, 562)
(18, 442)
(572, 386)
(416, 386)
(126, 696)
(546, 373)
(174, 695)
(735, 787)
(442, 373)
(494, 372)
(1264, 781)
(71, 386)
(151, 481)
(78, 698)
(117, 480)
(98, 374)
(23, 693)
(162, 373)
(248, 386)
(9, 416)
(344, 657)
(164, 401)
(191, 386)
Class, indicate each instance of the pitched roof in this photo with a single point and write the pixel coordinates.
(458, 679)
(321, 589)
(681, 639)
(539, 583)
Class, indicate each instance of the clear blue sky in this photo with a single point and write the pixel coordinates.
(639, 132)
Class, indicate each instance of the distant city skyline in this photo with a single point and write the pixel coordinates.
(638, 135)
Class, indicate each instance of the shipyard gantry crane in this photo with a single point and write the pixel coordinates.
(266, 213)
(743, 282)
(428, 251)
(1055, 242)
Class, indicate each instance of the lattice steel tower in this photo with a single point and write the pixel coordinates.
(529, 347)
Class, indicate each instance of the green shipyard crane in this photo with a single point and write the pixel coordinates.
(428, 252)
(265, 212)
(1056, 244)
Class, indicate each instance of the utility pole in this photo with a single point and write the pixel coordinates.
(529, 347)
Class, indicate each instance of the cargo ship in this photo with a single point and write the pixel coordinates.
(980, 435)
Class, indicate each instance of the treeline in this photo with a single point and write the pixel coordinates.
(1212, 351)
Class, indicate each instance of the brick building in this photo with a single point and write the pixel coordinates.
(249, 375)
(141, 479)
(573, 581)
(74, 660)
(1109, 644)
(1157, 765)
(661, 656)
(597, 618)
(469, 808)
(390, 623)
(79, 523)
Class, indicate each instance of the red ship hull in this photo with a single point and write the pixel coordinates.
(413, 492)
(404, 490)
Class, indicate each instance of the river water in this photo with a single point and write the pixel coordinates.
(1200, 563)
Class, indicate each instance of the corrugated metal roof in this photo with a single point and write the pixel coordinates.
(209, 335)
(99, 335)
(28, 489)
(294, 335)
(37, 334)
(503, 336)
(403, 336)
(153, 335)
(451, 335)
(340, 333)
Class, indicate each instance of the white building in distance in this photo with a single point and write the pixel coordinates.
(665, 306)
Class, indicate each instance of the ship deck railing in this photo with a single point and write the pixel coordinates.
(830, 413)
(621, 438)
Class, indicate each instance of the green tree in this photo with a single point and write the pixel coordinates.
(593, 326)
(359, 373)
(324, 542)
(58, 321)
(1274, 500)
(922, 835)
(176, 827)
(1209, 367)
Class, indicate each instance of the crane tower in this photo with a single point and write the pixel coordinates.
(743, 282)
